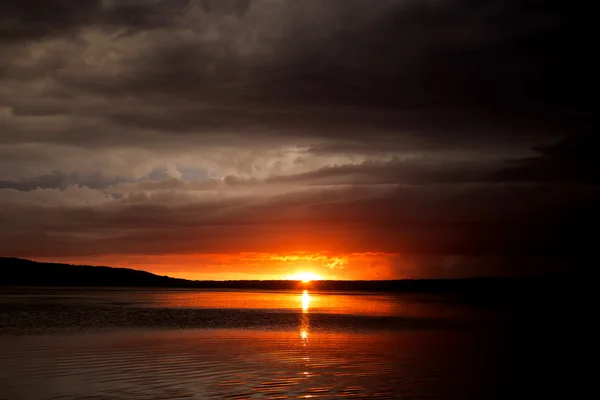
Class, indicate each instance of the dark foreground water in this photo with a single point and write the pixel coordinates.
(153, 344)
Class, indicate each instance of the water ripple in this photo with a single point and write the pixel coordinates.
(212, 364)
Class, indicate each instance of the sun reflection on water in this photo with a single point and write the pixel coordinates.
(304, 319)
(305, 301)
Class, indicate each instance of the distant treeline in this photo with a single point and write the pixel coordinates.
(20, 272)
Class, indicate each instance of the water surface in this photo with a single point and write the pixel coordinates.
(167, 344)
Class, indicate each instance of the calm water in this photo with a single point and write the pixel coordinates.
(149, 344)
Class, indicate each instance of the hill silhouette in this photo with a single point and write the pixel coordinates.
(22, 272)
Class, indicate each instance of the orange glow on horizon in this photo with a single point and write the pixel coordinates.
(298, 266)
(312, 258)
(305, 277)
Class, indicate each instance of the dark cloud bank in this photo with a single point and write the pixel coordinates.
(436, 129)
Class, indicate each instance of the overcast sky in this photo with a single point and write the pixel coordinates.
(449, 137)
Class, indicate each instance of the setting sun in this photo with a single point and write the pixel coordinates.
(305, 277)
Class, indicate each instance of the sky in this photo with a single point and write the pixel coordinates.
(259, 139)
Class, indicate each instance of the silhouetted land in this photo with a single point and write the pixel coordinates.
(21, 272)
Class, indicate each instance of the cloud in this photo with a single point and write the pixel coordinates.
(423, 220)
(314, 67)
(28, 21)
(445, 128)
(572, 160)
(71, 196)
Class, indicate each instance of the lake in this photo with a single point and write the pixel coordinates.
(82, 343)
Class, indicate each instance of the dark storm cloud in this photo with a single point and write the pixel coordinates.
(573, 160)
(497, 61)
(435, 128)
(510, 222)
(58, 180)
(392, 172)
(22, 20)
(440, 68)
